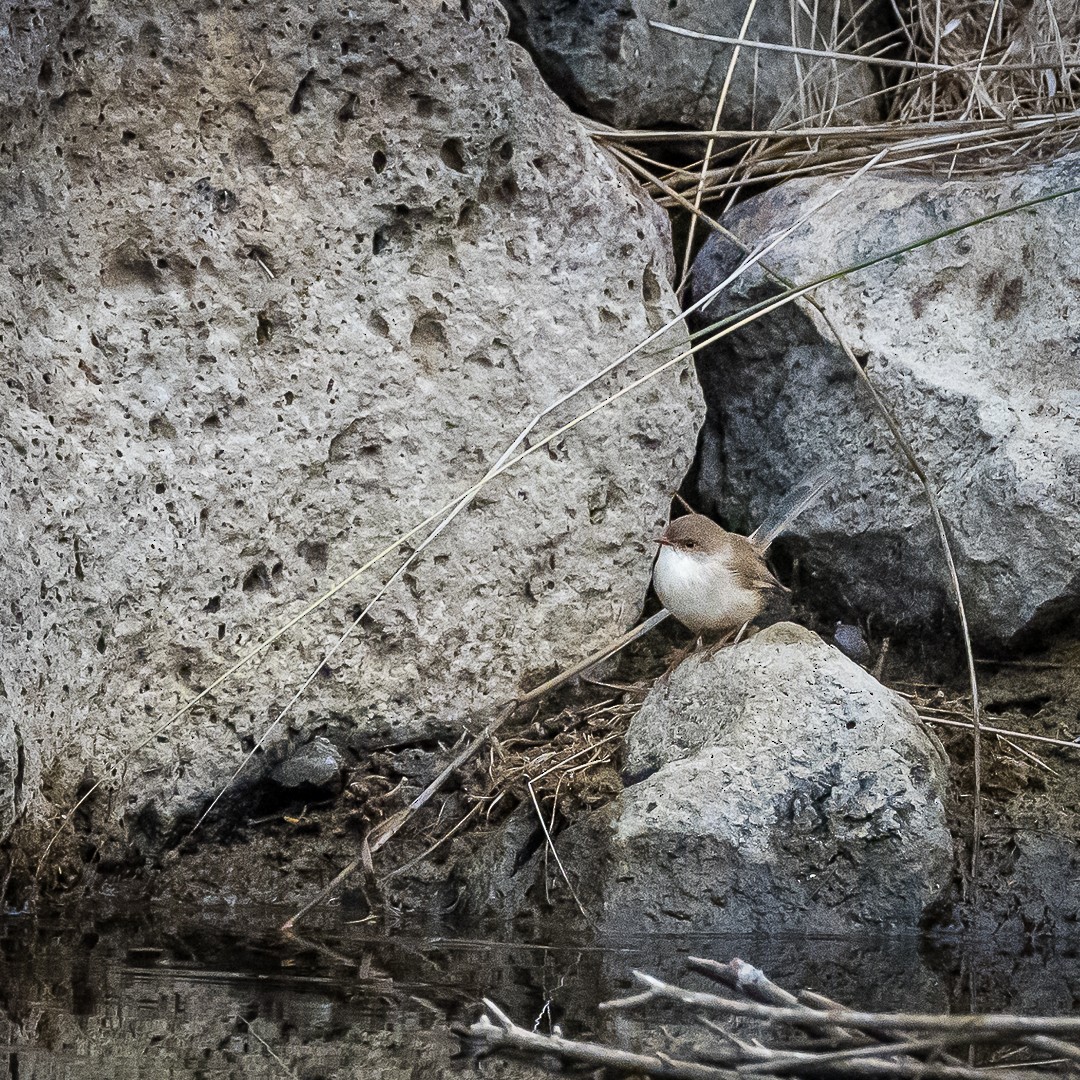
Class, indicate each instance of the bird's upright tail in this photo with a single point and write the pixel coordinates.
(802, 495)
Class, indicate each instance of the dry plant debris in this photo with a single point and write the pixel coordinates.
(966, 89)
(759, 1029)
(566, 761)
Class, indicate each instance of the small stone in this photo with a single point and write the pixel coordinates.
(316, 765)
(850, 641)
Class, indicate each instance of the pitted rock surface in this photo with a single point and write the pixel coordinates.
(278, 284)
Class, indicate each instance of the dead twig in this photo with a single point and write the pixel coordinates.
(916, 1048)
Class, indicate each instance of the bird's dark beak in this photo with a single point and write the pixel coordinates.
(663, 541)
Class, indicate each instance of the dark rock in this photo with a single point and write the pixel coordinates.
(971, 342)
(604, 58)
(850, 641)
(315, 766)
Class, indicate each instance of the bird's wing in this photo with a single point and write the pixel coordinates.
(749, 566)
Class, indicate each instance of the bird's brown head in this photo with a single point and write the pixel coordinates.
(694, 534)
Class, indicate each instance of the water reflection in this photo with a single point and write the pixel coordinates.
(230, 997)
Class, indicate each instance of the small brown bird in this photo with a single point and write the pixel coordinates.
(711, 579)
(708, 578)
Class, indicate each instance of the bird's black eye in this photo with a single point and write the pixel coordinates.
(691, 543)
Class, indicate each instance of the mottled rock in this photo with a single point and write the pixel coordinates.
(604, 58)
(277, 286)
(971, 340)
(33, 56)
(779, 787)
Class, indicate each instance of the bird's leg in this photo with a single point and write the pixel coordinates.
(677, 658)
(729, 639)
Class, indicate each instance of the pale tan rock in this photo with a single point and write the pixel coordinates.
(276, 286)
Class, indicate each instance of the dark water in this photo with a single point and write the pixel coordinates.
(227, 996)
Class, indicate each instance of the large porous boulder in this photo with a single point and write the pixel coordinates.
(277, 286)
(972, 342)
(607, 60)
(774, 786)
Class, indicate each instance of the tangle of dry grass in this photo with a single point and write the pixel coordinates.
(966, 89)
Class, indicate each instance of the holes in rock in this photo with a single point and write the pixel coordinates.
(453, 155)
(161, 428)
(302, 87)
(128, 263)
(222, 199)
(45, 73)
(428, 333)
(213, 604)
(79, 575)
(378, 161)
(509, 190)
(100, 646)
(257, 578)
(212, 421)
(159, 488)
(466, 9)
(348, 110)
(314, 553)
(221, 631)
(127, 137)
(263, 258)
(379, 241)
(650, 286)
(264, 328)
(506, 151)
(424, 105)
(251, 147)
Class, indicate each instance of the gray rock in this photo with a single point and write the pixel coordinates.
(272, 293)
(317, 764)
(12, 765)
(32, 59)
(972, 343)
(785, 789)
(605, 59)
